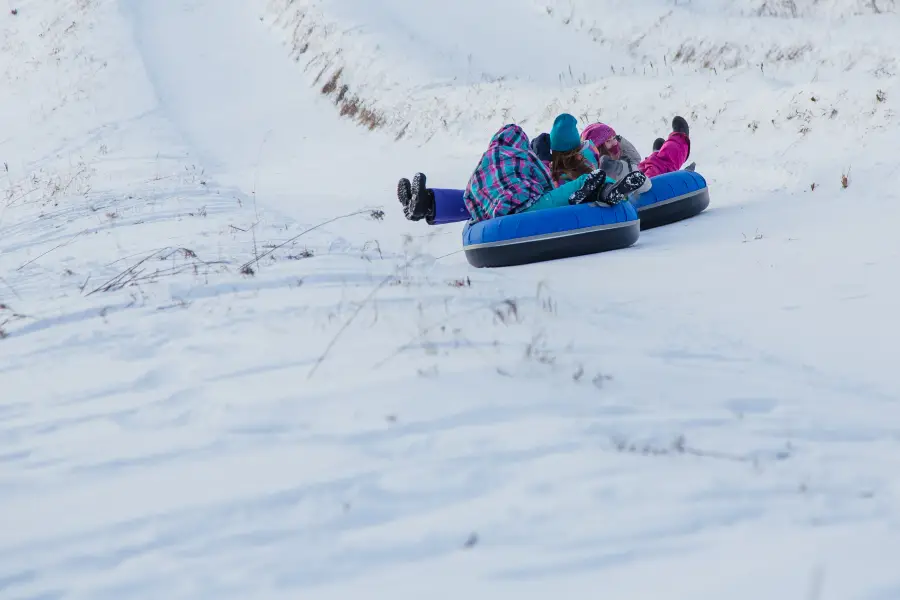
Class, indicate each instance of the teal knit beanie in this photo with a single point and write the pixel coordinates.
(564, 135)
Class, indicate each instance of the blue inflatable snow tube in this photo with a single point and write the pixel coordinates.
(674, 196)
(550, 234)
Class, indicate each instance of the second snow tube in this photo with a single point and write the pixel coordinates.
(673, 197)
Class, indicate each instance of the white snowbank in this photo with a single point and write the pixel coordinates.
(427, 68)
(261, 402)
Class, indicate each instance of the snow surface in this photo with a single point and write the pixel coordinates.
(712, 413)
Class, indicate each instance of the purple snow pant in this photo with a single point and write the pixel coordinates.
(449, 207)
(669, 158)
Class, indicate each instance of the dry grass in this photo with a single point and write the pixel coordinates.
(141, 272)
(311, 37)
(350, 105)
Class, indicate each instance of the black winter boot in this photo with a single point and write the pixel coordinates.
(629, 184)
(421, 204)
(657, 144)
(679, 125)
(590, 191)
(404, 192)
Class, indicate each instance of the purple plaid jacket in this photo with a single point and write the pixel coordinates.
(509, 178)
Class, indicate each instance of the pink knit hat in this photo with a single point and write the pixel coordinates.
(598, 133)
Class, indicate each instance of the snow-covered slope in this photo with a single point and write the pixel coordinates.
(420, 67)
(214, 384)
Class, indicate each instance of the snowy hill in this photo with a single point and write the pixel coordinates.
(426, 67)
(229, 368)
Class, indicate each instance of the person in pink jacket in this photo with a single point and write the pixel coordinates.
(619, 156)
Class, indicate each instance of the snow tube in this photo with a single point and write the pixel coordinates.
(550, 234)
(674, 196)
